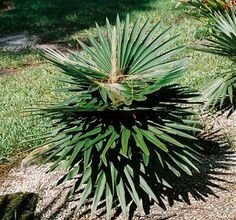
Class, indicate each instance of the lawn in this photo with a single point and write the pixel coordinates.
(27, 79)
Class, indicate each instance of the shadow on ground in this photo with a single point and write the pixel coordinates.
(217, 158)
(57, 19)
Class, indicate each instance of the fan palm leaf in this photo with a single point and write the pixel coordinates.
(221, 91)
(223, 41)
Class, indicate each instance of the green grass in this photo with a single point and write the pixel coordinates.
(29, 81)
(29, 78)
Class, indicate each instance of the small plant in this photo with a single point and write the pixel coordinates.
(221, 92)
(126, 125)
(207, 8)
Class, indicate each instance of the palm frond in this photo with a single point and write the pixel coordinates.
(223, 41)
(220, 92)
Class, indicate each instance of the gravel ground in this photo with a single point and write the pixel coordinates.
(210, 195)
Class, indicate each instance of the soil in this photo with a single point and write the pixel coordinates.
(4, 72)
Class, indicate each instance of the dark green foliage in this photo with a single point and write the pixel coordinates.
(126, 125)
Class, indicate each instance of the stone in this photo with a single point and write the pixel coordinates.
(17, 42)
(20, 206)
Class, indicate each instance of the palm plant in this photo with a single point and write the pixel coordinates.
(221, 91)
(125, 123)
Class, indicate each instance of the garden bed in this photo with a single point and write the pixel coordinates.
(209, 195)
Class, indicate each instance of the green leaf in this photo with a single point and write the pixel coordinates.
(184, 158)
(151, 137)
(182, 166)
(121, 196)
(84, 195)
(138, 137)
(124, 41)
(171, 168)
(147, 188)
(133, 192)
(164, 136)
(109, 144)
(109, 201)
(99, 192)
(73, 156)
(87, 159)
(125, 135)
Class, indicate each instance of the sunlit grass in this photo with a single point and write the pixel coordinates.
(20, 90)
